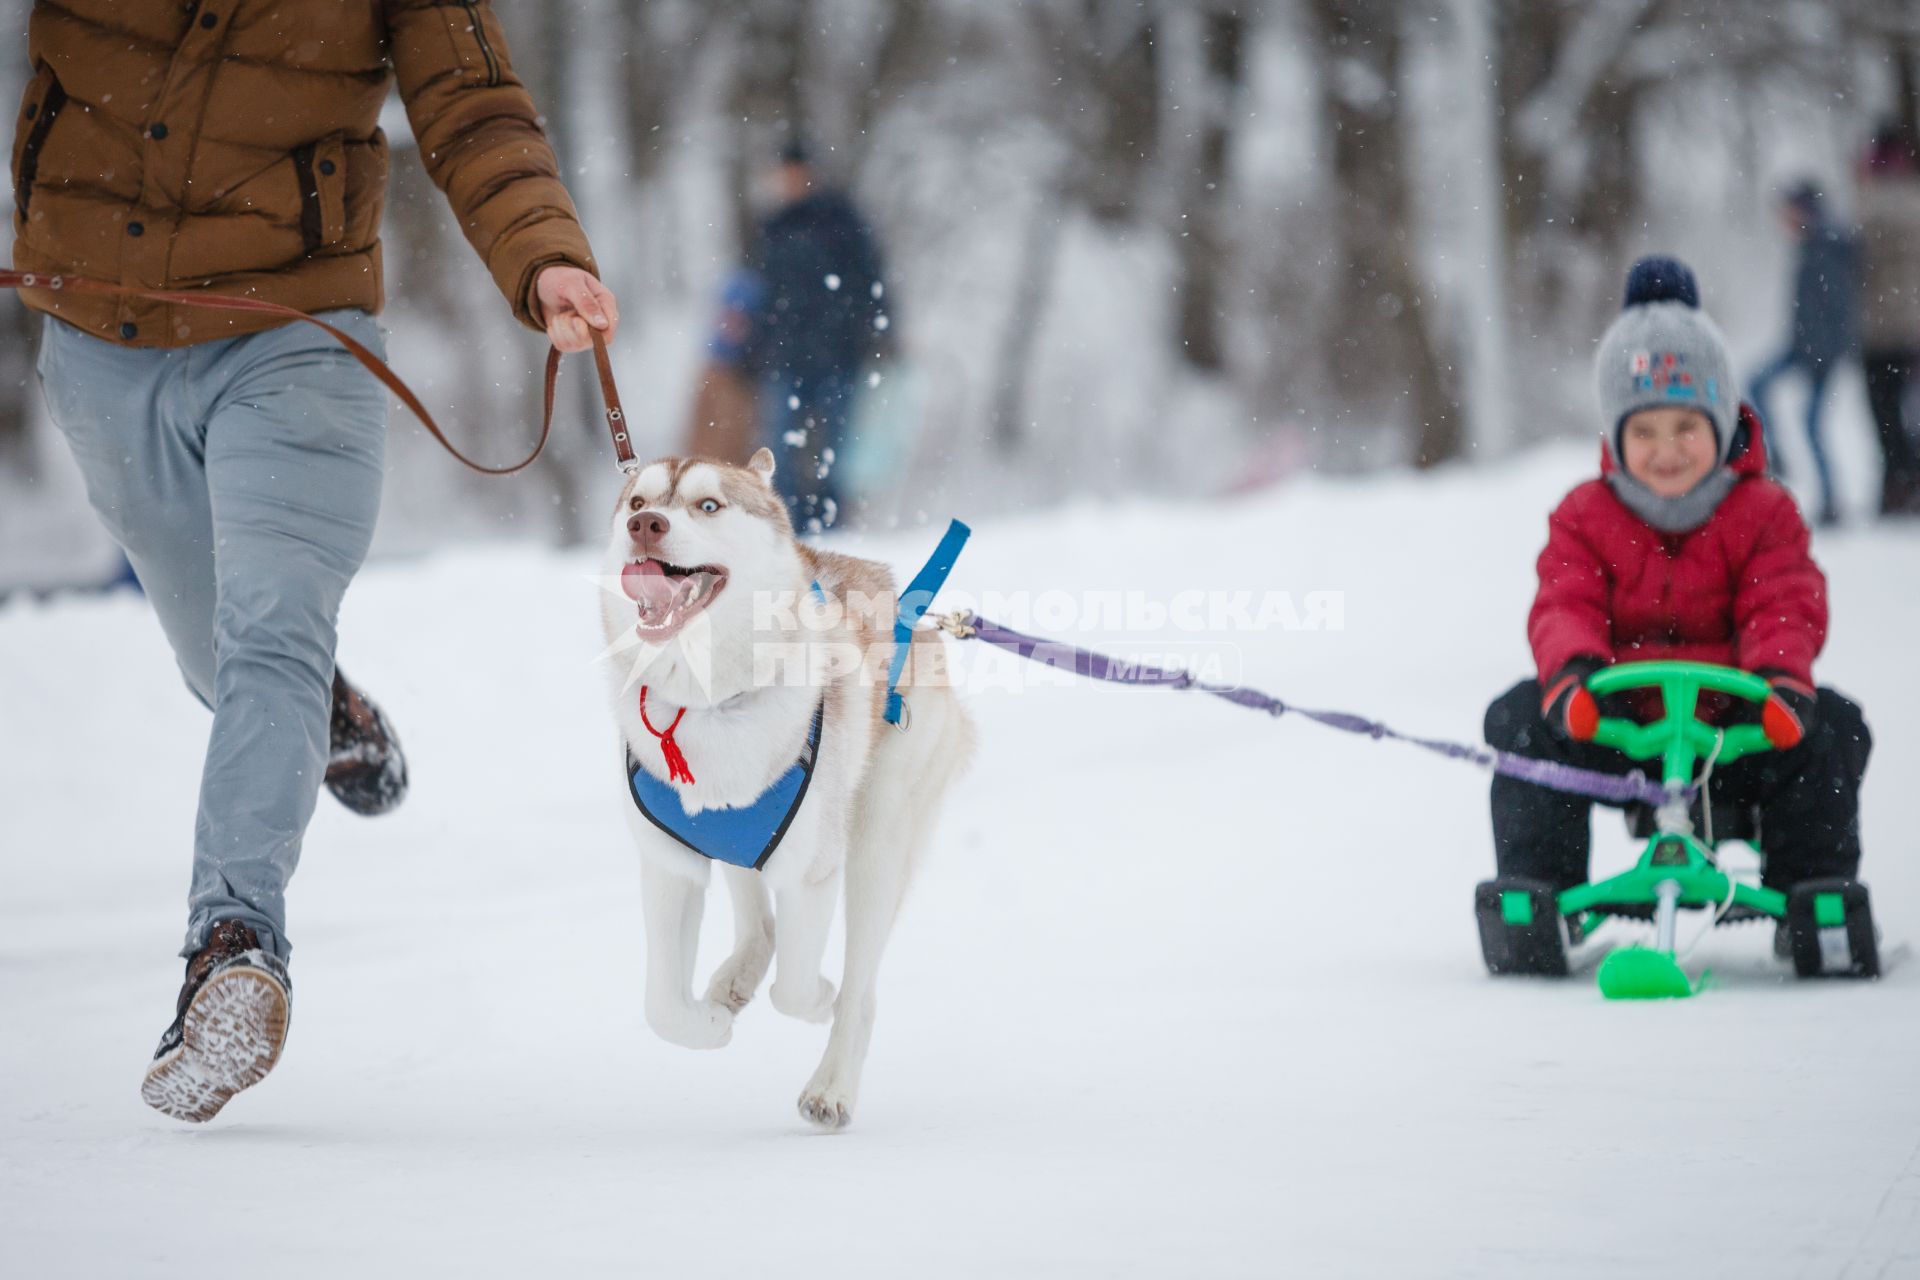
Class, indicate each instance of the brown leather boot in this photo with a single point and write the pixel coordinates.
(228, 1028)
(366, 770)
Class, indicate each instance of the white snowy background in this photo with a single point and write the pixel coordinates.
(1402, 223)
(1183, 991)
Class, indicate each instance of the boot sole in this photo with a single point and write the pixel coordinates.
(230, 1039)
(369, 790)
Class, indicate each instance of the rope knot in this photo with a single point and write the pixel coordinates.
(677, 769)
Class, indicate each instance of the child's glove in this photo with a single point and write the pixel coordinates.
(1568, 708)
(1787, 714)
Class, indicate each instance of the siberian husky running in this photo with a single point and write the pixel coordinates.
(747, 668)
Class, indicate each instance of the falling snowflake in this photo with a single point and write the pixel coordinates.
(833, 281)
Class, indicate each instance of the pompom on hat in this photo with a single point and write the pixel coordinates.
(1662, 352)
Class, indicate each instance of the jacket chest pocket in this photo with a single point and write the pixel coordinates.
(320, 169)
(38, 110)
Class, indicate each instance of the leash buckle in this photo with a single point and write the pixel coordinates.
(958, 623)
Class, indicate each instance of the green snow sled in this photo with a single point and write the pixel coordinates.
(1526, 927)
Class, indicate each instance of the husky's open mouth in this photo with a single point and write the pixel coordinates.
(669, 595)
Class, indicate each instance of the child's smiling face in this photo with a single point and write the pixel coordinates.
(1669, 450)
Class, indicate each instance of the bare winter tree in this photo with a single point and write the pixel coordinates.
(984, 136)
(1578, 84)
(1890, 29)
(1210, 92)
(766, 100)
(1100, 63)
(1381, 352)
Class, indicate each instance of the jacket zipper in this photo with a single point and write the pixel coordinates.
(310, 225)
(480, 34)
(1666, 593)
(56, 98)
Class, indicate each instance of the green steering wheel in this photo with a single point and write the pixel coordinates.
(1678, 736)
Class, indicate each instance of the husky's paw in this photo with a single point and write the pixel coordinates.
(808, 1006)
(738, 977)
(706, 1025)
(826, 1108)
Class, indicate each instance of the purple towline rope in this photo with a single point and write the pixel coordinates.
(1613, 788)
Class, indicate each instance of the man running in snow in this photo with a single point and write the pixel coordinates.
(233, 146)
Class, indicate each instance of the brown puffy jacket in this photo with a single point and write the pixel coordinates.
(234, 145)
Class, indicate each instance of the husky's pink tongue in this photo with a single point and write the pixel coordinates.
(648, 585)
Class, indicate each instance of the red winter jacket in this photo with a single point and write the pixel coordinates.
(1741, 590)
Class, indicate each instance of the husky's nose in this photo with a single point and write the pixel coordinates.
(647, 528)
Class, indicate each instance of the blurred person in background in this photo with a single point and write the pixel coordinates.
(726, 404)
(823, 314)
(1890, 306)
(236, 458)
(1825, 326)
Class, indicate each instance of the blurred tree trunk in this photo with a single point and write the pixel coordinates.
(904, 58)
(1526, 36)
(1111, 72)
(1032, 283)
(647, 84)
(1906, 67)
(765, 101)
(556, 82)
(1569, 100)
(1103, 73)
(1486, 379)
(1609, 202)
(1200, 228)
(1381, 352)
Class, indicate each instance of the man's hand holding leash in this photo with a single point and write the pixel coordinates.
(574, 303)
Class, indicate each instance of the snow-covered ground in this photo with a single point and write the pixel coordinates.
(1281, 1059)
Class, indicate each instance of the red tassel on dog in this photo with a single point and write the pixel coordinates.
(677, 770)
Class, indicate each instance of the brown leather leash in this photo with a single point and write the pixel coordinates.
(616, 418)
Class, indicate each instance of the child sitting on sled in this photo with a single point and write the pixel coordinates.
(1681, 549)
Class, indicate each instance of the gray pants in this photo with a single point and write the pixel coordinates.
(242, 477)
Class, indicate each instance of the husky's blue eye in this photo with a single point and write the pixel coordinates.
(710, 505)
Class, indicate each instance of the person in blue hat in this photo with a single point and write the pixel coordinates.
(1826, 325)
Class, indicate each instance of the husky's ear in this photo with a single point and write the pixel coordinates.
(761, 464)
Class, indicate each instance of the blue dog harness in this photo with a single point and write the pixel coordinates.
(913, 603)
(742, 837)
(746, 836)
